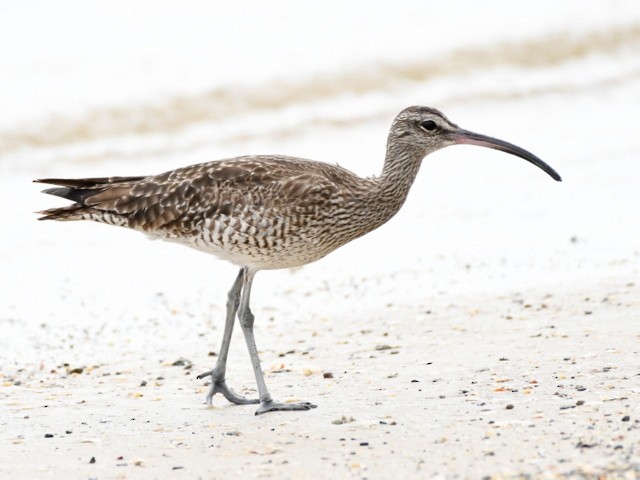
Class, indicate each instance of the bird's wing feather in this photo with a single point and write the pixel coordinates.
(180, 198)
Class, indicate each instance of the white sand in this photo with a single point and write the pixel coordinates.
(491, 329)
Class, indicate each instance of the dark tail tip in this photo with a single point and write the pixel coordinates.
(73, 194)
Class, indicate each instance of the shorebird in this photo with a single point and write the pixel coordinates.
(267, 212)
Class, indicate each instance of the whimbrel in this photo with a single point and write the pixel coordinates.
(267, 212)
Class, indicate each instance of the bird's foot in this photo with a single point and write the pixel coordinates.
(271, 406)
(219, 385)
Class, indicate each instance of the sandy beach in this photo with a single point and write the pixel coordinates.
(490, 330)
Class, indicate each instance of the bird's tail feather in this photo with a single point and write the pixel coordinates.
(72, 212)
(77, 190)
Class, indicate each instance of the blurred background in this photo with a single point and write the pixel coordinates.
(128, 88)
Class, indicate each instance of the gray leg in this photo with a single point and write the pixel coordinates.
(218, 384)
(246, 322)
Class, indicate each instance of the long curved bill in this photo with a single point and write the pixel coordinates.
(470, 138)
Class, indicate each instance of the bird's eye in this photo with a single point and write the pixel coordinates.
(429, 125)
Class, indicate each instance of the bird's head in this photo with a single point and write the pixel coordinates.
(429, 130)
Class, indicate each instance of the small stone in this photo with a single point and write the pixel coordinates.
(509, 407)
(364, 444)
(626, 418)
(93, 460)
(585, 445)
(182, 362)
(143, 383)
(327, 375)
(48, 435)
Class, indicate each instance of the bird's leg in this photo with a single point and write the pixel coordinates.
(218, 384)
(267, 404)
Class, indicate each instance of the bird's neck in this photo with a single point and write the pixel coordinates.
(401, 167)
(389, 191)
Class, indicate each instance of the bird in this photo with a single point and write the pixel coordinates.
(266, 212)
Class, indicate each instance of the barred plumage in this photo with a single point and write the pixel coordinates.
(267, 212)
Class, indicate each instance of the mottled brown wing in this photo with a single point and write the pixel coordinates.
(178, 200)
